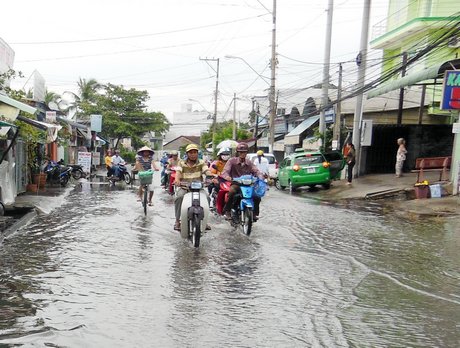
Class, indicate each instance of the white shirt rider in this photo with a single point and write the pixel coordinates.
(262, 164)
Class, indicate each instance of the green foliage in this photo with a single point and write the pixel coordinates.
(6, 76)
(128, 156)
(124, 113)
(224, 131)
(327, 139)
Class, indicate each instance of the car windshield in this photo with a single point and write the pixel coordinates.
(308, 159)
(271, 159)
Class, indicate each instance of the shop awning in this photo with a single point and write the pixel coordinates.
(435, 71)
(51, 129)
(293, 137)
(5, 127)
(9, 108)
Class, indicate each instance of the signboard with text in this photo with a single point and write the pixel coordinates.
(84, 159)
(451, 90)
(329, 116)
(96, 123)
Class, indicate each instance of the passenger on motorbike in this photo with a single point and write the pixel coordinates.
(236, 167)
(217, 167)
(108, 163)
(188, 170)
(116, 161)
(144, 161)
(172, 162)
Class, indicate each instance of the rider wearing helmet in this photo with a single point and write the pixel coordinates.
(236, 167)
(218, 166)
(261, 163)
(188, 170)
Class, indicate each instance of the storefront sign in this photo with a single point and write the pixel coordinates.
(451, 90)
(84, 159)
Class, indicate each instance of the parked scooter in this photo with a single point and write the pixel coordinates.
(123, 175)
(56, 172)
(77, 171)
(194, 212)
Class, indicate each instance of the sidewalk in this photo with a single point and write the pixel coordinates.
(399, 192)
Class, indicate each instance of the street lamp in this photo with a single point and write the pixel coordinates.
(271, 94)
(197, 101)
(265, 79)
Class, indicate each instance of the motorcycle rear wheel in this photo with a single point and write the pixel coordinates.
(64, 180)
(247, 221)
(77, 174)
(127, 178)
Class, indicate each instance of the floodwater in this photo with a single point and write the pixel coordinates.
(96, 272)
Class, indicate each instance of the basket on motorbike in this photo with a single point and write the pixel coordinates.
(260, 187)
(146, 177)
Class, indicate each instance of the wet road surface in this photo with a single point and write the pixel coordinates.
(96, 273)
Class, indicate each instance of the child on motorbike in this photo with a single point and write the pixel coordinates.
(188, 170)
(144, 161)
(217, 167)
(236, 167)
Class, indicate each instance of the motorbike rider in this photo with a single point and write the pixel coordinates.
(164, 162)
(144, 161)
(172, 162)
(236, 167)
(188, 170)
(261, 163)
(116, 161)
(108, 163)
(217, 167)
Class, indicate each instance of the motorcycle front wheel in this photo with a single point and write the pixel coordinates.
(195, 229)
(64, 180)
(247, 221)
(127, 178)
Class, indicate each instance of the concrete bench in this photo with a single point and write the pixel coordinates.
(432, 164)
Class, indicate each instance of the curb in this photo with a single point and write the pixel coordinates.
(18, 224)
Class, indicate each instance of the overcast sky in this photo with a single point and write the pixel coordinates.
(156, 45)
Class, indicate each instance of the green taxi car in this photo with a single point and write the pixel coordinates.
(309, 169)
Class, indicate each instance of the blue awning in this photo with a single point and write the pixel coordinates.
(293, 137)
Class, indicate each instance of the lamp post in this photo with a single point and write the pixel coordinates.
(271, 98)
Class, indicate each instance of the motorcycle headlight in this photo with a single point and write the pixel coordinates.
(196, 185)
(246, 181)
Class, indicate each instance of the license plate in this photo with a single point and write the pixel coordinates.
(311, 170)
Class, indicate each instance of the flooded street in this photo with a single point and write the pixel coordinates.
(97, 273)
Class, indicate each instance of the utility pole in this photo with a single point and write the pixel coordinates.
(234, 116)
(272, 82)
(337, 124)
(216, 93)
(401, 90)
(256, 128)
(361, 61)
(325, 87)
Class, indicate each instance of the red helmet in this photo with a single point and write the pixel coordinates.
(242, 147)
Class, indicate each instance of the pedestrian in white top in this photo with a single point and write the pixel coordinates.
(261, 163)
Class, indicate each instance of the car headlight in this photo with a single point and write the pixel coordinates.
(295, 167)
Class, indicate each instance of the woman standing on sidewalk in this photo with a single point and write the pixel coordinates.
(400, 156)
(351, 160)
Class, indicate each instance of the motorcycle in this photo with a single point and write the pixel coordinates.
(77, 171)
(56, 172)
(220, 198)
(171, 177)
(243, 211)
(123, 175)
(194, 212)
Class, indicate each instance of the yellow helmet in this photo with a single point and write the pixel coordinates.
(191, 147)
(260, 153)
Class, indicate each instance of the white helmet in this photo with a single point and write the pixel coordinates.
(224, 151)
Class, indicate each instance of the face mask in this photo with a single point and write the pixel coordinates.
(225, 157)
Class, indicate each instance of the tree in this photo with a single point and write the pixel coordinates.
(124, 114)
(224, 131)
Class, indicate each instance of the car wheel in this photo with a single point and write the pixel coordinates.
(327, 186)
(292, 188)
(312, 186)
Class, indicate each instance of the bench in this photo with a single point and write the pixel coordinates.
(432, 164)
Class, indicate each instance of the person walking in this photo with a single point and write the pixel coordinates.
(400, 156)
(351, 161)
